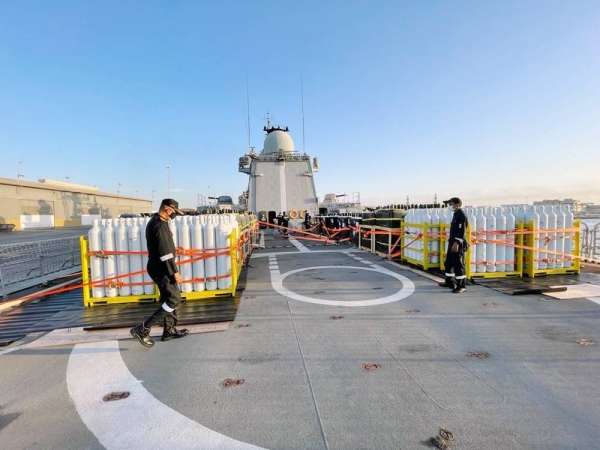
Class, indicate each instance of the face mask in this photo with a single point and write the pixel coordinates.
(173, 215)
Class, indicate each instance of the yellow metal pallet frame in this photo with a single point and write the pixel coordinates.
(427, 237)
(237, 260)
(517, 273)
(529, 257)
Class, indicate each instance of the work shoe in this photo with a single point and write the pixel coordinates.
(448, 283)
(460, 286)
(173, 333)
(142, 334)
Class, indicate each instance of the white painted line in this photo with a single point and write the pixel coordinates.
(583, 290)
(70, 336)
(139, 421)
(18, 347)
(264, 255)
(407, 289)
(299, 245)
(594, 299)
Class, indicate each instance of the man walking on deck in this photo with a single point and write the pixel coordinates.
(163, 271)
(457, 246)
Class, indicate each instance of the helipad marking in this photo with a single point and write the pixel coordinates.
(408, 287)
(299, 245)
(139, 421)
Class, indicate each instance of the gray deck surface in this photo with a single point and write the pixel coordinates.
(304, 387)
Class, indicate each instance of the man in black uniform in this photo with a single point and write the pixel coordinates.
(163, 271)
(457, 246)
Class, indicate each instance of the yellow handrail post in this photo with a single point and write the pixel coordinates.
(85, 270)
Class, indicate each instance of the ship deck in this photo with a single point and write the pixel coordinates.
(337, 349)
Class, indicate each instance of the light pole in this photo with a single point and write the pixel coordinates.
(118, 188)
(168, 181)
(19, 174)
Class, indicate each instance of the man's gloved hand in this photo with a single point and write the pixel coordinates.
(177, 277)
(455, 247)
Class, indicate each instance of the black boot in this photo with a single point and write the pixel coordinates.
(461, 286)
(173, 333)
(142, 334)
(447, 283)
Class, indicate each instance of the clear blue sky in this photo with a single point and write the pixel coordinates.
(493, 101)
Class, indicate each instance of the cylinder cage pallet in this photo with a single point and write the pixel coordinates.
(211, 251)
(504, 242)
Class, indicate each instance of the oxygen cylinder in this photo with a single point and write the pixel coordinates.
(405, 238)
(501, 236)
(149, 286)
(121, 242)
(531, 217)
(490, 248)
(568, 248)
(228, 229)
(110, 266)
(541, 237)
(480, 247)
(221, 238)
(472, 227)
(210, 263)
(184, 240)
(424, 220)
(434, 241)
(560, 236)
(552, 221)
(197, 244)
(135, 261)
(510, 239)
(95, 245)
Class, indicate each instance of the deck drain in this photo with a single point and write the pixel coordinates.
(413, 311)
(114, 396)
(242, 325)
(318, 292)
(370, 366)
(377, 288)
(231, 382)
(335, 317)
(490, 304)
(585, 342)
(478, 355)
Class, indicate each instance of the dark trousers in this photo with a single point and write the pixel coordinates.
(455, 261)
(170, 298)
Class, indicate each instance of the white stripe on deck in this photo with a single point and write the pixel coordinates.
(299, 245)
(594, 299)
(139, 421)
(408, 287)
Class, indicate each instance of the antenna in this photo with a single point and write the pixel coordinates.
(248, 108)
(268, 119)
(302, 95)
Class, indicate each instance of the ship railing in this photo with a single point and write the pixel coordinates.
(24, 265)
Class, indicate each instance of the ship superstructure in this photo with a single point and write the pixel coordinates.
(280, 179)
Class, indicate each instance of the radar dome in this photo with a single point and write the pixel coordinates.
(278, 140)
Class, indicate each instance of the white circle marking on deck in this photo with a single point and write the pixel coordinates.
(408, 287)
(139, 421)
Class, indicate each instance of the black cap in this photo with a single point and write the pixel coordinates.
(454, 200)
(172, 204)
